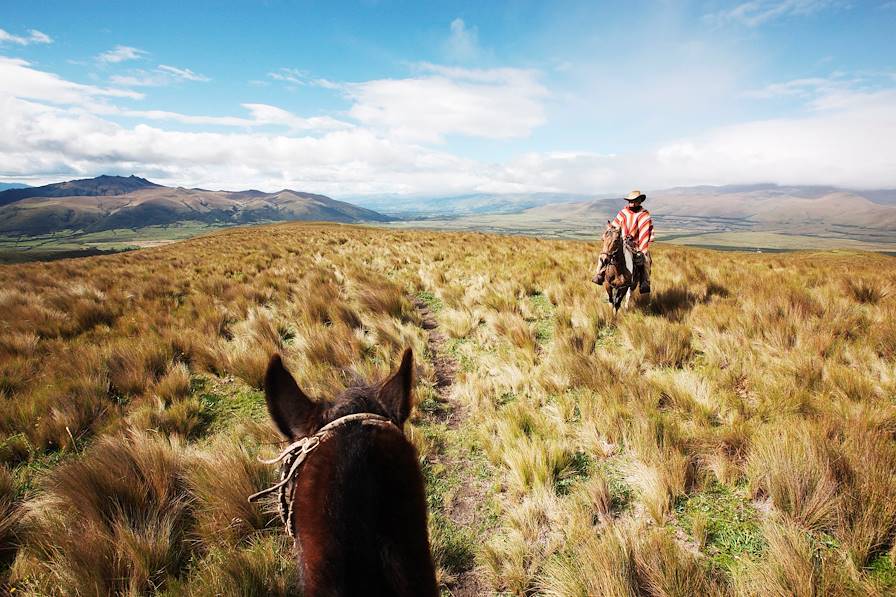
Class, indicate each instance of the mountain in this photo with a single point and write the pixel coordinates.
(109, 202)
(812, 211)
(85, 187)
(464, 205)
(12, 185)
(759, 215)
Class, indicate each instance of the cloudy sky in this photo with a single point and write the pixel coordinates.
(427, 99)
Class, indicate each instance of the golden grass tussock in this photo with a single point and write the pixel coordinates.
(658, 342)
(795, 567)
(219, 481)
(791, 463)
(628, 561)
(10, 513)
(731, 433)
(116, 521)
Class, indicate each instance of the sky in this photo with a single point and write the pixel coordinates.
(426, 99)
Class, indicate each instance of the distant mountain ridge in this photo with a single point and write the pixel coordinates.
(12, 185)
(110, 202)
(510, 203)
(85, 187)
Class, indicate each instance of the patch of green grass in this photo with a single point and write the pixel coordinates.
(453, 348)
(432, 301)
(731, 525)
(225, 403)
(544, 325)
(580, 469)
(428, 400)
(883, 572)
(453, 546)
(27, 474)
(621, 493)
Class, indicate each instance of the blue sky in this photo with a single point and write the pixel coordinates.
(380, 98)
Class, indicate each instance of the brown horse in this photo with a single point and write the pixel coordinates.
(351, 493)
(616, 259)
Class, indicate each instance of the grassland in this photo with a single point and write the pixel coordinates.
(18, 249)
(734, 434)
(729, 234)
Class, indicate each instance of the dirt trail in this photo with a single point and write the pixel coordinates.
(463, 507)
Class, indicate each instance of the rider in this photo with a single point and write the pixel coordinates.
(633, 220)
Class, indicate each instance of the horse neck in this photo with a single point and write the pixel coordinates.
(361, 517)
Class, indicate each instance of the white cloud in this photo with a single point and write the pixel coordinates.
(34, 37)
(289, 75)
(51, 128)
(758, 12)
(492, 103)
(259, 115)
(160, 76)
(463, 42)
(121, 54)
(182, 73)
(18, 78)
(265, 114)
(794, 88)
(849, 143)
(140, 78)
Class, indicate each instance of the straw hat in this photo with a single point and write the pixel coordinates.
(635, 196)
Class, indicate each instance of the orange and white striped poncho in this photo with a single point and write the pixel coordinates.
(636, 224)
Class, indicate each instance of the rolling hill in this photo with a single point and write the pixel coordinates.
(746, 216)
(113, 202)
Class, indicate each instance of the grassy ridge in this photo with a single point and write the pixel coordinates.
(734, 434)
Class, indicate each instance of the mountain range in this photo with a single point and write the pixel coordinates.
(112, 202)
(119, 202)
(803, 210)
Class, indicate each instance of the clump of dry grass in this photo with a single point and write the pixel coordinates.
(264, 566)
(867, 519)
(627, 561)
(791, 463)
(794, 567)
(10, 513)
(658, 342)
(116, 521)
(184, 418)
(219, 482)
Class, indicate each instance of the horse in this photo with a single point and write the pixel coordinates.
(351, 492)
(617, 255)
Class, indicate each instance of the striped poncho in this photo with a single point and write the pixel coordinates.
(636, 224)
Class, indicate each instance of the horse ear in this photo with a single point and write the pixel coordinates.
(294, 414)
(395, 394)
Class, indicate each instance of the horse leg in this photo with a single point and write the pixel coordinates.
(628, 297)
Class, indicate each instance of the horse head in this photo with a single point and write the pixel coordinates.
(612, 239)
(351, 492)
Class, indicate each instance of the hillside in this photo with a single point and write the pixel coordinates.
(113, 202)
(747, 216)
(730, 435)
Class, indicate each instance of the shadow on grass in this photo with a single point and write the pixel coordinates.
(674, 302)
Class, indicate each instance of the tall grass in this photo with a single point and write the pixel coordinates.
(130, 416)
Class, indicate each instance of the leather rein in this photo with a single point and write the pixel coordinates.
(295, 454)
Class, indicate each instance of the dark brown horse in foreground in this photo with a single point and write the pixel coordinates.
(616, 257)
(352, 492)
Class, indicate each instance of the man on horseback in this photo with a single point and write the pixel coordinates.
(635, 223)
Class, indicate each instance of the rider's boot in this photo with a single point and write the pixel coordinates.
(645, 273)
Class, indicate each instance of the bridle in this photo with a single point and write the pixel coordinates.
(295, 454)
